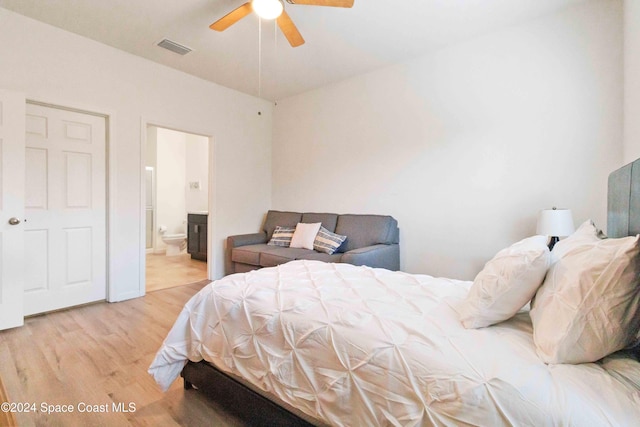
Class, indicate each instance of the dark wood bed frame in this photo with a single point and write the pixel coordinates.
(240, 399)
(257, 409)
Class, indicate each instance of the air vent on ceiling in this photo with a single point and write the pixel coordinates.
(174, 47)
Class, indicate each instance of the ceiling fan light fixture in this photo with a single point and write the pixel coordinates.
(267, 9)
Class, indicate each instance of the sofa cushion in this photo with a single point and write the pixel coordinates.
(328, 220)
(318, 256)
(366, 230)
(264, 254)
(249, 254)
(283, 219)
(276, 256)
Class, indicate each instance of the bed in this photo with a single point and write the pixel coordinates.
(316, 343)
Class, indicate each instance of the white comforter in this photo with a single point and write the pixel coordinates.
(359, 346)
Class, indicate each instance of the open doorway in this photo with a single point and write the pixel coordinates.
(176, 208)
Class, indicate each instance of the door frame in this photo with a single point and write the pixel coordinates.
(12, 149)
(110, 167)
(144, 123)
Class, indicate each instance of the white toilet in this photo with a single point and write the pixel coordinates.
(176, 243)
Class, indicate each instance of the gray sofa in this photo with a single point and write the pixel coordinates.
(372, 240)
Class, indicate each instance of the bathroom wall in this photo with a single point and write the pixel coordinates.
(197, 170)
(171, 181)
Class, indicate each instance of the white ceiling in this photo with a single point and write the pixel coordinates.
(340, 43)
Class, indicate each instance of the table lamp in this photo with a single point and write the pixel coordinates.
(555, 223)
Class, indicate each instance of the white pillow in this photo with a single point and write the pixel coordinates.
(588, 305)
(507, 283)
(304, 235)
(586, 233)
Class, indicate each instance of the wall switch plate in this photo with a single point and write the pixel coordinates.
(194, 185)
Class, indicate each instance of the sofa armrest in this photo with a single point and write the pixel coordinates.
(240, 240)
(381, 256)
(246, 239)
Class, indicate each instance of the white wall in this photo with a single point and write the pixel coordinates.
(631, 80)
(197, 170)
(171, 184)
(465, 145)
(51, 65)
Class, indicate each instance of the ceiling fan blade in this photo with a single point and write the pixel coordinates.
(332, 3)
(232, 17)
(289, 30)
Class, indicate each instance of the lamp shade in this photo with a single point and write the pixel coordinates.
(555, 222)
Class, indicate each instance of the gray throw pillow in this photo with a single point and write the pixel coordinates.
(282, 236)
(327, 241)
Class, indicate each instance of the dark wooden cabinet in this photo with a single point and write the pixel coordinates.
(197, 236)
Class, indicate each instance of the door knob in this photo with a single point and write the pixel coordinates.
(14, 221)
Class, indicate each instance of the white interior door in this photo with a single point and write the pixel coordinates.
(12, 118)
(65, 203)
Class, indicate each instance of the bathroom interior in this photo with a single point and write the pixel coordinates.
(177, 205)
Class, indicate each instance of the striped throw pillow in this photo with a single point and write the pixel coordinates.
(282, 236)
(327, 241)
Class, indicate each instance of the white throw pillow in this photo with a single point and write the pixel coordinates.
(588, 305)
(507, 283)
(304, 235)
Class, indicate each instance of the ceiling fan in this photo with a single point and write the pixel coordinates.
(274, 9)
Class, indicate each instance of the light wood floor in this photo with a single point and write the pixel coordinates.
(6, 418)
(97, 355)
(164, 272)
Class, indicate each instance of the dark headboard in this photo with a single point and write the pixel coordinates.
(623, 201)
(623, 208)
